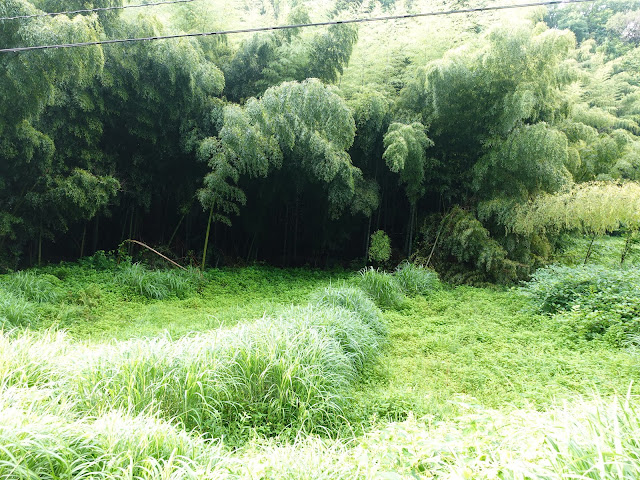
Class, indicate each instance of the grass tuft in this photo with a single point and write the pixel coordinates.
(354, 300)
(358, 341)
(15, 311)
(159, 284)
(382, 288)
(416, 279)
(40, 288)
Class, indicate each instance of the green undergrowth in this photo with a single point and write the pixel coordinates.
(590, 302)
(270, 374)
(606, 250)
(99, 299)
(485, 347)
(594, 438)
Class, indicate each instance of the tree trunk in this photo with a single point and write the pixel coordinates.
(589, 250)
(206, 240)
(96, 231)
(173, 235)
(286, 229)
(367, 241)
(295, 228)
(409, 238)
(40, 245)
(84, 236)
(625, 250)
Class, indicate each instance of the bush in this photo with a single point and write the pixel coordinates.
(354, 300)
(416, 279)
(381, 287)
(100, 261)
(593, 301)
(159, 284)
(380, 247)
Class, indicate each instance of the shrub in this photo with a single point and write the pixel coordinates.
(380, 247)
(354, 300)
(416, 279)
(381, 287)
(593, 301)
(87, 296)
(99, 261)
(465, 251)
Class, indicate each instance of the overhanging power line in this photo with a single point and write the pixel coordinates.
(299, 25)
(91, 10)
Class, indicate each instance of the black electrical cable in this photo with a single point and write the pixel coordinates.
(90, 10)
(300, 25)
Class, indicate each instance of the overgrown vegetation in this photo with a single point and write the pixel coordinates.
(591, 301)
(295, 147)
(381, 287)
(483, 150)
(159, 285)
(461, 368)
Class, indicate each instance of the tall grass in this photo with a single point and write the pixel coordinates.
(49, 443)
(15, 310)
(275, 375)
(354, 300)
(381, 287)
(159, 284)
(41, 288)
(416, 279)
(29, 359)
(595, 439)
(359, 342)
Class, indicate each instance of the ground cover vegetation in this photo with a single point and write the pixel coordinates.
(477, 175)
(446, 382)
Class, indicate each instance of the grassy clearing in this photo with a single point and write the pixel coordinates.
(485, 347)
(447, 383)
(103, 301)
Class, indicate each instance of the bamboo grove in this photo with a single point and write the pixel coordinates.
(293, 147)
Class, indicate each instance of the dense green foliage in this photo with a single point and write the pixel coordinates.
(464, 149)
(295, 146)
(380, 248)
(591, 301)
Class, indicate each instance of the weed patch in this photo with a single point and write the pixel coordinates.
(591, 301)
